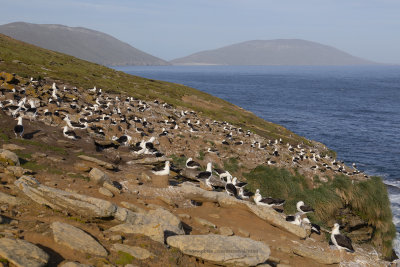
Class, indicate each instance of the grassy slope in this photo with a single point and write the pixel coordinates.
(37, 62)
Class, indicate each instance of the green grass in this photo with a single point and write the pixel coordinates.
(179, 162)
(231, 165)
(367, 199)
(42, 146)
(201, 155)
(124, 258)
(39, 62)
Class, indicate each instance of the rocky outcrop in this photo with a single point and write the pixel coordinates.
(73, 264)
(22, 253)
(89, 207)
(223, 250)
(8, 158)
(156, 224)
(76, 239)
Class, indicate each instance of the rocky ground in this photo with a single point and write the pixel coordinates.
(96, 202)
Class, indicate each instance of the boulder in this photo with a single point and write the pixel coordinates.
(57, 199)
(156, 224)
(137, 252)
(98, 176)
(22, 253)
(17, 171)
(222, 250)
(11, 200)
(101, 163)
(225, 231)
(105, 192)
(133, 207)
(81, 166)
(73, 264)
(76, 239)
(8, 158)
(155, 231)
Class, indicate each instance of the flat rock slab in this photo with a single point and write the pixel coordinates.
(137, 252)
(101, 163)
(155, 231)
(76, 239)
(74, 264)
(22, 253)
(13, 147)
(57, 199)
(223, 250)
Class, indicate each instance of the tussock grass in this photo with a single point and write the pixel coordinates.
(367, 199)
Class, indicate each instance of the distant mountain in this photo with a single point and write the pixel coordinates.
(80, 42)
(273, 52)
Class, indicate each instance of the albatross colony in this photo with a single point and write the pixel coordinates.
(157, 129)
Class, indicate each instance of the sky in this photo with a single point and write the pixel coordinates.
(175, 28)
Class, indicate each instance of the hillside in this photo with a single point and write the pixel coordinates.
(90, 45)
(100, 184)
(272, 52)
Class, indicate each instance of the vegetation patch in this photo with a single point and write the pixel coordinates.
(368, 199)
(124, 258)
(231, 165)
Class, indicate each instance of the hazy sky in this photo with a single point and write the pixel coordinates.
(175, 28)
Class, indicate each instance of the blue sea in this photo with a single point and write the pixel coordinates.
(353, 110)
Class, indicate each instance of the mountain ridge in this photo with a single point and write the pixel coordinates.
(273, 52)
(83, 43)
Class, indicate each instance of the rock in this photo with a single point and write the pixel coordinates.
(223, 250)
(204, 222)
(98, 176)
(9, 158)
(155, 231)
(116, 238)
(73, 264)
(17, 171)
(57, 199)
(214, 215)
(105, 192)
(111, 188)
(13, 201)
(243, 232)
(101, 163)
(156, 224)
(12, 147)
(56, 159)
(83, 167)
(37, 155)
(225, 231)
(22, 253)
(76, 239)
(184, 216)
(316, 254)
(133, 207)
(137, 252)
(8, 77)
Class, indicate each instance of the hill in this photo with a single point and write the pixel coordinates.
(93, 195)
(90, 45)
(273, 52)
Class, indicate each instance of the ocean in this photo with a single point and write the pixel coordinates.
(354, 110)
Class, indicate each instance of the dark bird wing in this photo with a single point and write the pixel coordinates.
(345, 242)
(193, 164)
(272, 201)
(231, 189)
(204, 175)
(290, 218)
(306, 208)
